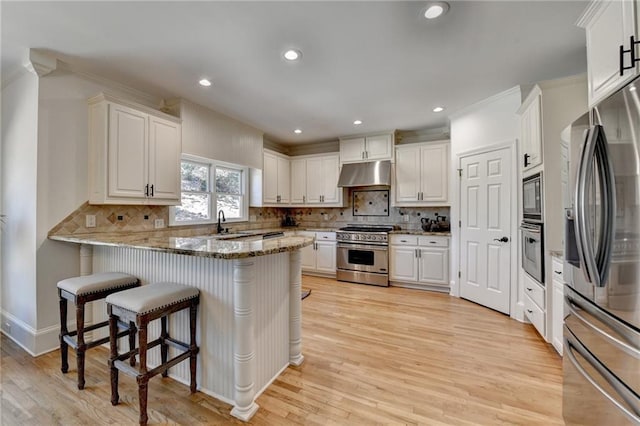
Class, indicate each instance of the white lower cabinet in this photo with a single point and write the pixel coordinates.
(419, 261)
(557, 304)
(320, 257)
(534, 304)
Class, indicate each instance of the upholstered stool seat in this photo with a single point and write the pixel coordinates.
(141, 306)
(81, 290)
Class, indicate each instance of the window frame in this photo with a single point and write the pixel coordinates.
(213, 195)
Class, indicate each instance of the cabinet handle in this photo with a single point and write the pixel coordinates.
(362, 153)
(403, 241)
(146, 190)
(433, 242)
(632, 51)
(558, 272)
(529, 289)
(526, 160)
(304, 198)
(366, 154)
(151, 191)
(530, 311)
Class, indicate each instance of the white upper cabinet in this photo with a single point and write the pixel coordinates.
(134, 154)
(531, 129)
(276, 178)
(608, 25)
(367, 148)
(314, 180)
(422, 174)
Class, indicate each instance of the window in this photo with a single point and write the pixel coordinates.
(209, 186)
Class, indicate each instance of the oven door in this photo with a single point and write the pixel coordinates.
(362, 258)
(532, 251)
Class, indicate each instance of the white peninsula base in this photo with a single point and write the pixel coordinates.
(249, 320)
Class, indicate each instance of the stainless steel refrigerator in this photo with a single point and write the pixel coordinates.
(602, 265)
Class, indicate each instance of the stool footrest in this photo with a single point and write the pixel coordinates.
(69, 340)
(135, 372)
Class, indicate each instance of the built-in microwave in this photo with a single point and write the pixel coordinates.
(532, 198)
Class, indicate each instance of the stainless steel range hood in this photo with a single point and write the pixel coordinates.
(365, 174)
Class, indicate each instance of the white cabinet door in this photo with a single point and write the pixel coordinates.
(434, 173)
(314, 180)
(298, 181)
(127, 166)
(308, 256)
(270, 183)
(403, 263)
(329, 178)
(433, 266)
(407, 183)
(531, 132)
(610, 26)
(378, 147)
(326, 256)
(284, 180)
(351, 150)
(557, 315)
(165, 147)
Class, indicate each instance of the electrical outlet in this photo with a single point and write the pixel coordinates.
(406, 218)
(326, 217)
(252, 218)
(90, 221)
(159, 223)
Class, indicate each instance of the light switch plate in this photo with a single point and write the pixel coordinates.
(406, 218)
(90, 221)
(159, 223)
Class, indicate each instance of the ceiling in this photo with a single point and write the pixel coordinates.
(379, 62)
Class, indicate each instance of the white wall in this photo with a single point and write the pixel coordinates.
(490, 122)
(19, 180)
(213, 135)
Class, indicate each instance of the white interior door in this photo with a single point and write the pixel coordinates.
(485, 213)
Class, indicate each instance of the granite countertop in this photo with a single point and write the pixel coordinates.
(420, 232)
(557, 253)
(248, 245)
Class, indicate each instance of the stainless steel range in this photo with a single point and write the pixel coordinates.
(362, 254)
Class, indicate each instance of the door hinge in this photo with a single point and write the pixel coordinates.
(460, 172)
(459, 274)
(459, 224)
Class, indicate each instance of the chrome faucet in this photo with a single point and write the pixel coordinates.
(220, 212)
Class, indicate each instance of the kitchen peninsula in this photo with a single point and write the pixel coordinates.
(249, 325)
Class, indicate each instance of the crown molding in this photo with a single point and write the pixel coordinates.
(590, 13)
(480, 104)
(41, 63)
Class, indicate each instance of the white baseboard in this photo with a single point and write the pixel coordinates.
(35, 342)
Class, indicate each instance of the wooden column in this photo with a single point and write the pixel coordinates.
(244, 345)
(86, 259)
(295, 308)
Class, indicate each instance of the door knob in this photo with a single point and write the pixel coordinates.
(502, 240)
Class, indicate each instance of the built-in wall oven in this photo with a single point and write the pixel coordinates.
(362, 255)
(533, 250)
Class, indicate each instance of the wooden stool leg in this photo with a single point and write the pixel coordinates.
(164, 347)
(113, 354)
(132, 342)
(193, 348)
(143, 388)
(82, 347)
(64, 347)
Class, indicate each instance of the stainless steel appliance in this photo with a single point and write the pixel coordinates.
(533, 250)
(602, 264)
(362, 254)
(532, 198)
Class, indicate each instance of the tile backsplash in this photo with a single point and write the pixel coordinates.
(124, 218)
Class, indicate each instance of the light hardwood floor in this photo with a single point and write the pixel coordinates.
(372, 356)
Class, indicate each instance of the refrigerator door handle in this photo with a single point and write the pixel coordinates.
(572, 344)
(572, 304)
(608, 189)
(583, 243)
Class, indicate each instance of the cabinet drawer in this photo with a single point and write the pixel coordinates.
(535, 315)
(404, 240)
(535, 291)
(430, 241)
(557, 269)
(325, 236)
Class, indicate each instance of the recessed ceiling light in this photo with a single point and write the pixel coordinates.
(438, 109)
(632, 88)
(357, 122)
(435, 9)
(292, 55)
(297, 131)
(204, 82)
